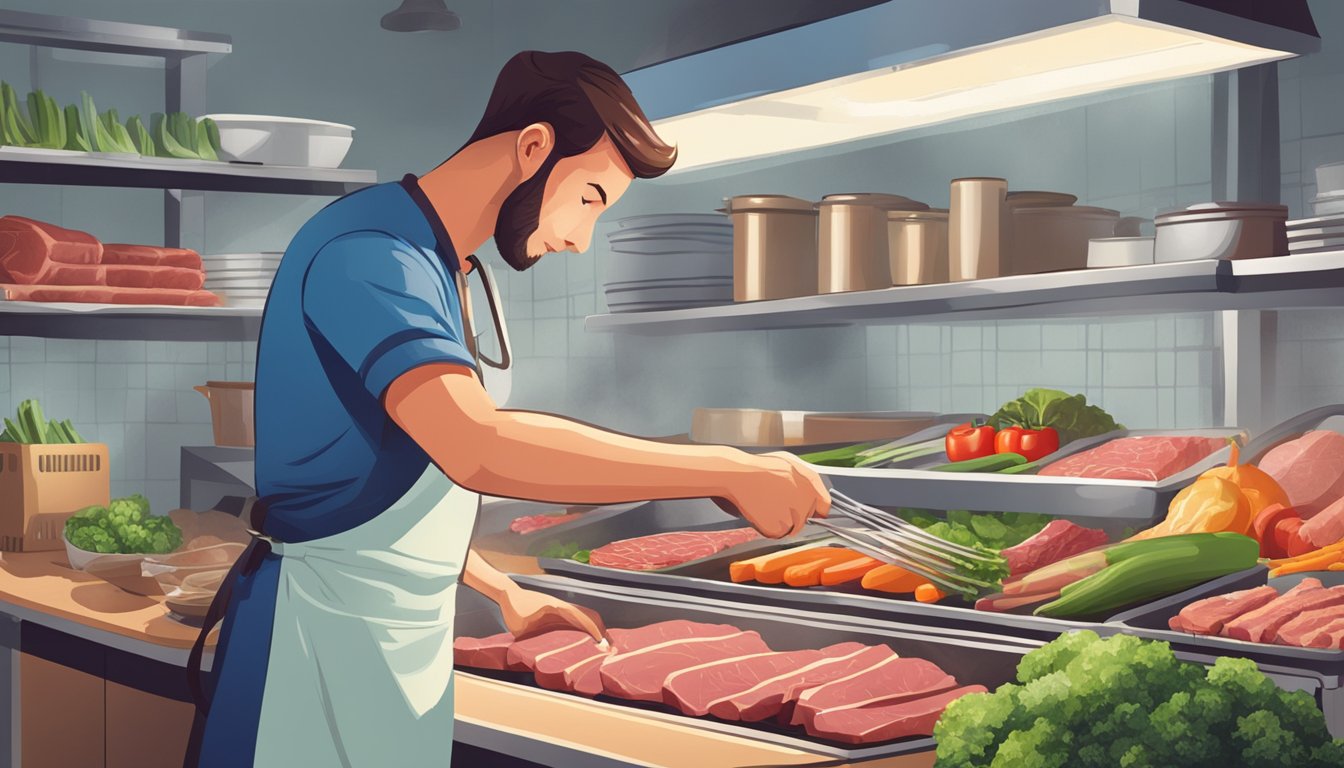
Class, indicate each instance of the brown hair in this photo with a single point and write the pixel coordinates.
(582, 99)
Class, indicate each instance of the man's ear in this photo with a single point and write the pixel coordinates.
(535, 144)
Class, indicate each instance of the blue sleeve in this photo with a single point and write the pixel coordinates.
(383, 308)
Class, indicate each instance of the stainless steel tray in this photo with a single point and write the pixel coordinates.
(969, 657)
(608, 524)
(1109, 504)
(752, 548)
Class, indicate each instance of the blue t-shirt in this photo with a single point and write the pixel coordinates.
(365, 292)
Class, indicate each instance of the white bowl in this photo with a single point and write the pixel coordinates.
(1119, 251)
(272, 140)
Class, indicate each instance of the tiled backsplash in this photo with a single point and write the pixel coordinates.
(136, 396)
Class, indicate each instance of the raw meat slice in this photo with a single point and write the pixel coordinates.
(534, 523)
(151, 256)
(1329, 636)
(844, 668)
(751, 689)
(868, 725)
(129, 276)
(103, 295)
(1057, 540)
(1207, 616)
(29, 249)
(1149, 457)
(889, 682)
(483, 652)
(1262, 624)
(664, 550)
(1305, 624)
(1310, 470)
(1325, 527)
(575, 669)
(650, 654)
(528, 651)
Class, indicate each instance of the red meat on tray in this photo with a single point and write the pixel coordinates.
(151, 256)
(30, 249)
(891, 681)
(1207, 616)
(94, 294)
(884, 722)
(534, 523)
(1329, 636)
(751, 688)
(1057, 540)
(1148, 457)
(664, 550)
(483, 652)
(1262, 625)
(649, 655)
(1310, 470)
(1307, 624)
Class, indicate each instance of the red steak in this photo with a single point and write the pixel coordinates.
(1329, 636)
(132, 276)
(1308, 623)
(527, 652)
(664, 550)
(151, 256)
(1262, 624)
(575, 669)
(1207, 616)
(889, 682)
(650, 654)
(1149, 457)
(694, 689)
(30, 249)
(755, 690)
(1057, 540)
(483, 652)
(534, 523)
(1310, 470)
(843, 668)
(884, 722)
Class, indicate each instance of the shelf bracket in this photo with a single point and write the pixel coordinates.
(183, 219)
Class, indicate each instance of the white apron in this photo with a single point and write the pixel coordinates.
(361, 661)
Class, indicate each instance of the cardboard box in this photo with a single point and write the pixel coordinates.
(42, 485)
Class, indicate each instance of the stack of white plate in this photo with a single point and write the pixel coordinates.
(1329, 200)
(241, 279)
(670, 261)
(1316, 235)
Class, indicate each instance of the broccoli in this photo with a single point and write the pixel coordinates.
(1084, 701)
(124, 526)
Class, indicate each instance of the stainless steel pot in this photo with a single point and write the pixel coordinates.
(1222, 231)
(853, 252)
(774, 247)
(1053, 239)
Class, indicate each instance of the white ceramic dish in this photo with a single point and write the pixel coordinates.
(274, 140)
(1312, 233)
(1119, 252)
(1330, 177)
(1325, 243)
(1221, 231)
(673, 220)
(624, 267)
(1328, 205)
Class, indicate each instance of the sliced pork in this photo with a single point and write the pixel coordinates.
(534, 523)
(483, 652)
(1326, 527)
(1262, 624)
(1148, 457)
(527, 652)
(1057, 540)
(30, 249)
(891, 681)
(1329, 636)
(1308, 623)
(884, 722)
(1310, 470)
(664, 550)
(1207, 616)
(649, 655)
(151, 256)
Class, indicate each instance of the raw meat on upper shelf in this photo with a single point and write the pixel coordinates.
(664, 550)
(1057, 540)
(1146, 457)
(1310, 470)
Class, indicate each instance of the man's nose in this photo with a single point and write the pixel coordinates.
(578, 245)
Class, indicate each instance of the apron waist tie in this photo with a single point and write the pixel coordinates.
(246, 564)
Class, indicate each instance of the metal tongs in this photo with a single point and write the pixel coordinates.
(888, 538)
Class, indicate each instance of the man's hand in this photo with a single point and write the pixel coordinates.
(528, 613)
(779, 494)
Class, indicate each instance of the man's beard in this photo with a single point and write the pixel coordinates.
(519, 217)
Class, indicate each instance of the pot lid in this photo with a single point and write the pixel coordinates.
(1137, 239)
(421, 16)
(1065, 210)
(933, 214)
(875, 199)
(1038, 199)
(1203, 209)
(747, 203)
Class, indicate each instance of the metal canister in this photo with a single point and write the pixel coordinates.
(852, 241)
(774, 247)
(975, 228)
(917, 246)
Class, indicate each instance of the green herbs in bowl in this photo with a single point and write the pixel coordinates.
(123, 527)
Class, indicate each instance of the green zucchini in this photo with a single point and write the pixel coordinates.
(995, 462)
(1139, 571)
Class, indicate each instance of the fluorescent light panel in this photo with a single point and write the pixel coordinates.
(1073, 60)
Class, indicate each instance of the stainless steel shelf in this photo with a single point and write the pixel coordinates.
(107, 36)
(1298, 281)
(127, 322)
(27, 166)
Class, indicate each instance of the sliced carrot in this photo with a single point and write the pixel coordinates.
(1337, 547)
(773, 572)
(745, 570)
(927, 593)
(892, 578)
(1308, 564)
(809, 574)
(843, 573)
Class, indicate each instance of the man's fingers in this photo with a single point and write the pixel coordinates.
(581, 619)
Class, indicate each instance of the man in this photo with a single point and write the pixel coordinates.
(375, 436)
